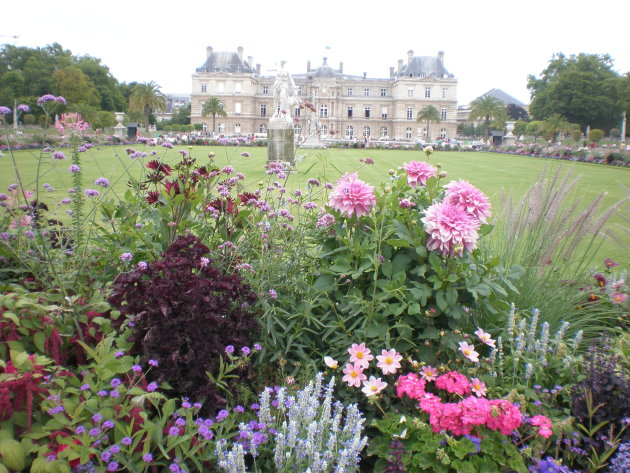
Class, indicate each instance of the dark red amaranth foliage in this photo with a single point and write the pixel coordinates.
(18, 393)
(185, 312)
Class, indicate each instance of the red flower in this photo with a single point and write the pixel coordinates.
(153, 197)
(160, 167)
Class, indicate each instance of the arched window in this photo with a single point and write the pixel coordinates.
(349, 131)
(323, 110)
(324, 130)
(237, 128)
(262, 128)
(443, 133)
(366, 131)
(408, 133)
(383, 131)
(297, 129)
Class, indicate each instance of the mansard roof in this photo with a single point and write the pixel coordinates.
(424, 66)
(225, 61)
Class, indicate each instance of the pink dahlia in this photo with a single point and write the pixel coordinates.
(450, 229)
(352, 196)
(466, 196)
(418, 172)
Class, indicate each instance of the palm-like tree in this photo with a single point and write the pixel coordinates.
(213, 106)
(554, 125)
(487, 108)
(428, 114)
(146, 98)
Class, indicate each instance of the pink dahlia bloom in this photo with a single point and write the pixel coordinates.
(451, 230)
(466, 196)
(418, 172)
(352, 196)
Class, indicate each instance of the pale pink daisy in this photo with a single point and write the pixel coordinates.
(478, 387)
(352, 196)
(353, 375)
(389, 361)
(485, 337)
(331, 363)
(429, 373)
(373, 386)
(469, 351)
(451, 230)
(469, 198)
(418, 172)
(360, 354)
(618, 298)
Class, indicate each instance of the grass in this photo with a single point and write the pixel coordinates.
(492, 173)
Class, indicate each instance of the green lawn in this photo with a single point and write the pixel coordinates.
(488, 171)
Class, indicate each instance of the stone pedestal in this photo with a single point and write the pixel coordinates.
(509, 138)
(312, 142)
(280, 141)
(119, 129)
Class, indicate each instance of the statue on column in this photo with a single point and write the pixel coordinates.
(284, 94)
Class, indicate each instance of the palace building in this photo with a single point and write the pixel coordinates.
(346, 106)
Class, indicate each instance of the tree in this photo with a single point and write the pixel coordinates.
(596, 135)
(88, 112)
(520, 128)
(75, 86)
(535, 128)
(554, 125)
(213, 106)
(584, 89)
(428, 114)
(487, 108)
(181, 116)
(107, 87)
(146, 98)
(516, 112)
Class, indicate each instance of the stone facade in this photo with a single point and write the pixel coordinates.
(346, 106)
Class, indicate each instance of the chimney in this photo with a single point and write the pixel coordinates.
(400, 61)
(209, 51)
(391, 72)
(364, 75)
(250, 60)
(308, 66)
(341, 66)
(409, 56)
(258, 69)
(239, 51)
(441, 56)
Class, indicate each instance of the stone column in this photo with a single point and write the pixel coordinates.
(280, 141)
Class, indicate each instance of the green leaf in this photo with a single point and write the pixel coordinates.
(40, 340)
(12, 454)
(39, 465)
(440, 300)
(398, 243)
(12, 317)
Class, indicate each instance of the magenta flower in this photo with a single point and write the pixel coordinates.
(478, 387)
(353, 375)
(360, 355)
(451, 230)
(418, 172)
(610, 263)
(428, 373)
(352, 196)
(619, 298)
(467, 197)
(469, 351)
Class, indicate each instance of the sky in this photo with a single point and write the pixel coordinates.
(486, 43)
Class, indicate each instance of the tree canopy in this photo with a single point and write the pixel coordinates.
(146, 98)
(584, 89)
(428, 114)
(213, 106)
(487, 108)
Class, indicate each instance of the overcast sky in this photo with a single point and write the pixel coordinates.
(487, 43)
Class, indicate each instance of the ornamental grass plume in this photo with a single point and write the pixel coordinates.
(352, 196)
(451, 229)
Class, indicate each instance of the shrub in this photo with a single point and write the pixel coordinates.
(596, 135)
(185, 313)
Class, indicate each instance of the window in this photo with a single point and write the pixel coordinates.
(349, 132)
(324, 130)
(409, 91)
(237, 87)
(298, 111)
(237, 108)
(297, 129)
(409, 113)
(265, 89)
(383, 112)
(408, 133)
(237, 128)
(443, 133)
(263, 109)
(299, 90)
(383, 92)
(427, 92)
(221, 87)
(384, 132)
(221, 128)
(366, 131)
(444, 113)
(203, 88)
(366, 92)
(349, 112)
(262, 128)
(367, 112)
(444, 92)
(323, 110)
(349, 91)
